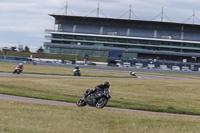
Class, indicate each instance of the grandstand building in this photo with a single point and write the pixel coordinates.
(133, 39)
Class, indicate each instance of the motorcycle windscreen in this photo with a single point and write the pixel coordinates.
(106, 90)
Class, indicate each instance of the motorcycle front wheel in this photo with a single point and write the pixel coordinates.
(101, 102)
(81, 102)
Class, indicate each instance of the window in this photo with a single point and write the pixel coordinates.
(56, 41)
(144, 42)
(90, 38)
(57, 36)
(155, 42)
(101, 39)
(167, 43)
(79, 37)
(68, 37)
(111, 39)
(133, 41)
(122, 40)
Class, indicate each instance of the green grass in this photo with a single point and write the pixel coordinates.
(174, 96)
(50, 70)
(19, 117)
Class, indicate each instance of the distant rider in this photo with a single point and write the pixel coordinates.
(76, 68)
(76, 71)
(132, 73)
(19, 67)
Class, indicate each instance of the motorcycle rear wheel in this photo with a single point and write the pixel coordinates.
(101, 102)
(81, 102)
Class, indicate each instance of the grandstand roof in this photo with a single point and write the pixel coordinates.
(59, 19)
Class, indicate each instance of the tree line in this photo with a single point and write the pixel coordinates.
(26, 49)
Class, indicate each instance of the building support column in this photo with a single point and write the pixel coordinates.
(155, 34)
(128, 32)
(74, 29)
(101, 30)
(182, 33)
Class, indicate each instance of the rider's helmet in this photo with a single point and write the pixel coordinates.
(76, 67)
(20, 64)
(106, 84)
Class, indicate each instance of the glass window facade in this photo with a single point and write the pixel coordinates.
(120, 40)
(96, 41)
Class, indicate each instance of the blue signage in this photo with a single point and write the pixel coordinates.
(86, 57)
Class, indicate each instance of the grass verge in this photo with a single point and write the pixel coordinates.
(27, 117)
(173, 96)
(52, 70)
(65, 71)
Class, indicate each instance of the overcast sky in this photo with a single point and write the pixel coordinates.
(23, 22)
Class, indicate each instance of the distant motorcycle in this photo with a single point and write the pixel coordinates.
(96, 99)
(17, 70)
(77, 72)
(132, 73)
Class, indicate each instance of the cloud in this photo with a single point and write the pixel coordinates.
(24, 21)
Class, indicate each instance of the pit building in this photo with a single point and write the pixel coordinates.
(124, 38)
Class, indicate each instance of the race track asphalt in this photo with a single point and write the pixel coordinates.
(58, 103)
(141, 76)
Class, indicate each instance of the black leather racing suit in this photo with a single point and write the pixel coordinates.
(100, 87)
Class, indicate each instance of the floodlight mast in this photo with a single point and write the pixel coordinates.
(130, 11)
(66, 7)
(162, 15)
(193, 18)
(98, 10)
(193, 15)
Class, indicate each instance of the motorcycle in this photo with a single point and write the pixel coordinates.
(77, 72)
(97, 99)
(17, 70)
(132, 73)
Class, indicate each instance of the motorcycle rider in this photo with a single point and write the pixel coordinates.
(97, 97)
(20, 67)
(76, 67)
(132, 73)
(76, 71)
(100, 87)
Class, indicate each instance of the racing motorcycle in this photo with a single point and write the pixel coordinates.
(17, 70)
(97, 99)
(77, 72)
